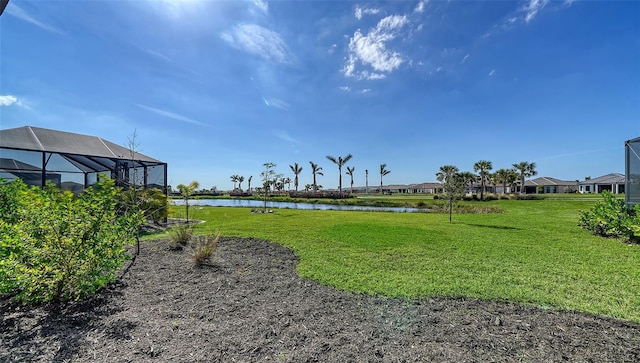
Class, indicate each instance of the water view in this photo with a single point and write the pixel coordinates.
(289, 205)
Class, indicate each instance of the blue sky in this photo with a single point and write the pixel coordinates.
(218, 88)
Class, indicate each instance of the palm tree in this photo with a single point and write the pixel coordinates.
(287, 181)
(240, 180)
(383, 172)
(234, 179)
(468, 179)
(315, 170)
(296, 169)
(366, 187)
(482, 167)
(249, 181)
(525, 170)
(340, 161)
(350, 171)
(186, 191)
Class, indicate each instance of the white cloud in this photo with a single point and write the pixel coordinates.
(332, 48)
(421, 6)
(359, 12)
(258, 41)
(10, 100)
(170, 115)
(465, 58)
(493, 71)
(285, 136)
(262, 5)
(371, 49)
(21, 14)
(533, 7)
(345, 88)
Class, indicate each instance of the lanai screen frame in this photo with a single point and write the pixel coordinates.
(632, 172)
(127, 170)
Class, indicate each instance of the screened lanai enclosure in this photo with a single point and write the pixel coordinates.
(632, 171)
(74, 161)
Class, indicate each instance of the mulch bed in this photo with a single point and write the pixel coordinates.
(250, 306)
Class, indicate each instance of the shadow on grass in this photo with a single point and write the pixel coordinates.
(28, 332)
(491, 226)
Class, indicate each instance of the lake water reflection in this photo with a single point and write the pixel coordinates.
(248, 203)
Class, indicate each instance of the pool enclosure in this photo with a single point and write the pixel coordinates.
(74, 161)
(632, 171)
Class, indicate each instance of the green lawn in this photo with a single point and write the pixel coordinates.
(534, 253)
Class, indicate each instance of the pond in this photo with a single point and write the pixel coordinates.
(289, 205)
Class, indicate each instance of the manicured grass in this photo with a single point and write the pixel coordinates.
(534, 253)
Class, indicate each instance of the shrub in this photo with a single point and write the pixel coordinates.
(611, 218)
(56, 246)
(151, 202)
(180, 235)
(203, 248)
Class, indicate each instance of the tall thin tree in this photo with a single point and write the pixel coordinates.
(350, 170)
(340, 161)
(315, 170)
(483, 167)
(525, 170)
(452, 185)
(296, 169)
(383, 172)
(366, 185)
(249, 182)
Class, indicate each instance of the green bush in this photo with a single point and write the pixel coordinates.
(611, 218)
(151, 202)
(55, 246)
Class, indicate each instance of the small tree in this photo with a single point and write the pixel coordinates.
(452, 185)
(268, 178)
(186, 191)
(249, 182)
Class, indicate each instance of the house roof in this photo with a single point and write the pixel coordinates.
(38, 139)
(612, 178)
(637, 139)
(545, 180)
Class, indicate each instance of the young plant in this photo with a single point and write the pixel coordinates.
(181, 235)
(203, 248)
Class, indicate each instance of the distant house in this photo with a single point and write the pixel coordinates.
(613, 182)
(547, 184)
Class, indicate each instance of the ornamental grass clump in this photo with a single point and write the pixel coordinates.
(181, 235)
(203, 248)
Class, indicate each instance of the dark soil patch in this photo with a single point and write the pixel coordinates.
(251, 306)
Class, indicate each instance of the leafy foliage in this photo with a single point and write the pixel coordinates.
(55, 246)
(151, 202)
(611, 218)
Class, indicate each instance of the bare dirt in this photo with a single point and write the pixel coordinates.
(250, 306)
